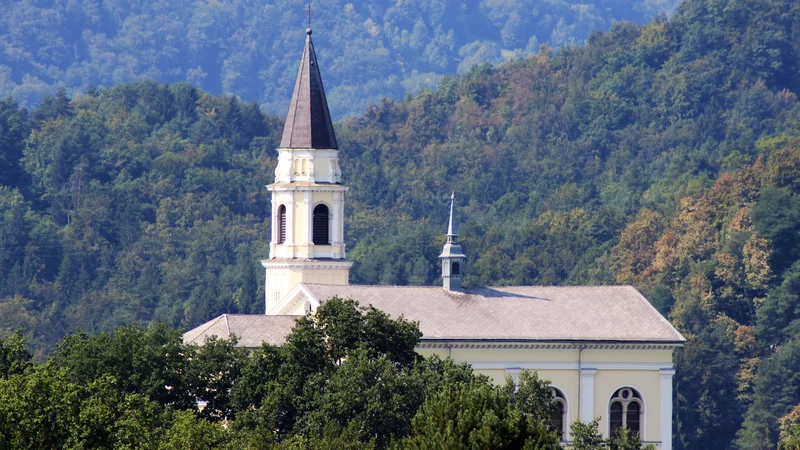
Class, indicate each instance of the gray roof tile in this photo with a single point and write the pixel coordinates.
(250, 329)
(524, 313)
(569, 313)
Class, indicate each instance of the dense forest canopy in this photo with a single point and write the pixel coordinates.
(373, 48)
(664, 156)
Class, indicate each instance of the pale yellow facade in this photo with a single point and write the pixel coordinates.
(587, 375)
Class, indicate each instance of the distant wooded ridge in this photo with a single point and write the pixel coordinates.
(663, 155)
(368, 49)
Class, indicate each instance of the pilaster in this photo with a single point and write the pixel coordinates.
(666, 408)
(273, 226)
(308, 200)
(587, 395)
(337, 228)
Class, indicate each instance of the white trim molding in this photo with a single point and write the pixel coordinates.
(513, 372)
(293, 299)
(567, 437)
(306, 264)
(305, 186)
(586, 406)
(488, 365)
(666, 408)
(552, 345)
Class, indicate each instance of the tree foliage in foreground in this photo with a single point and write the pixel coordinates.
(347, 377)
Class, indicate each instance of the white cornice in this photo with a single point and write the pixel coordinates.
(305, 152)
(512, 365)
(586, 345)
(301, 186)
(306, 264)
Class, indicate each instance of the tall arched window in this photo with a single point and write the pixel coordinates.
(321, 232)
(281, 224)
(626, 410)
(558, 417)
(456, 268)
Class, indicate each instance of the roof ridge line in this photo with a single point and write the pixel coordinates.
(208, 324)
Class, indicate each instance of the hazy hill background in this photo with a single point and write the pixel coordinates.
(372, 48)
(665, 156)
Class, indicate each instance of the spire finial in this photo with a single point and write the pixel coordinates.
(451, 227)
(308, 30)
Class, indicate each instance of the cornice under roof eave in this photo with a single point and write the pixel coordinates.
(542, 344)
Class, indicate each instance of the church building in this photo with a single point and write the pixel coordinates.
(606, 351)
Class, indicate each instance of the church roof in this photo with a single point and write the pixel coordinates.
(308, 122)
(543, 313)
(600, 314)
(251, 329)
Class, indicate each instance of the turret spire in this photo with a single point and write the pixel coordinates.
(308, 122)
(452, 256)
(452, 232)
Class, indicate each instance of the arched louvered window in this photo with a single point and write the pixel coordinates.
(321, 232)
(558, 416)
(281, 224)
(626, 410)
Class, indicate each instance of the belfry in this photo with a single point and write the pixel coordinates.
(307, 244)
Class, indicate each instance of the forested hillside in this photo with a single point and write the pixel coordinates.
(373, 48)
(666, 156)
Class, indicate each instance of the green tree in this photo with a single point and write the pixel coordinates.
(477, 416)
(776, 391)
(150, 361)
(586, 435)
(15, 358)
(190, 431)
(211, 373)
(14, 129)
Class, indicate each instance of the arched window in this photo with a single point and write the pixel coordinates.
(626, 410)
(281, 224)
(558, 417)
(321, 234)
(456, 268)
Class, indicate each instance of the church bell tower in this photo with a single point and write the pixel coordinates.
(307, 242)
(452, 256)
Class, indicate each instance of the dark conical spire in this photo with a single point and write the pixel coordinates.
(308, 122)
